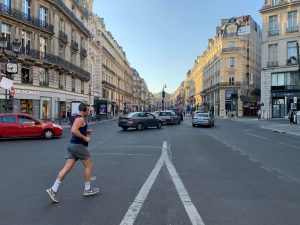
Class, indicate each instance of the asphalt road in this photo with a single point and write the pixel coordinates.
(232, 174)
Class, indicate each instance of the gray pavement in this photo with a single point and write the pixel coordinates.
(276, 125)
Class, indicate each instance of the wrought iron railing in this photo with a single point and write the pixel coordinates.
(63, 36)
(108, 84)
(81, 8)
(292, 29)
(70, 14)
(74, 45)
(56, 60)
(83, 51)
(221, 84)
(26, 18)
(273, 32)
(272, 64)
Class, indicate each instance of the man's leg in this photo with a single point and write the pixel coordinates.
(61, 175)
(88, 171)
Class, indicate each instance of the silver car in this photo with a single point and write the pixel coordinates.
(205, 119)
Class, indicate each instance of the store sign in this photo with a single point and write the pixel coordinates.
(244, 30)
(26, 92)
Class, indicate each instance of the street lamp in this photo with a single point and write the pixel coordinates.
(163, 94)
(12, 65)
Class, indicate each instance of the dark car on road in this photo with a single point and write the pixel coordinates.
(13, 125)
(179, 113)
(139, 121)
(169, 117)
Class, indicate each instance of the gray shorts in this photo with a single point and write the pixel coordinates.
(77, 151)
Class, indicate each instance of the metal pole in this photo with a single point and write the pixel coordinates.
(119, 95)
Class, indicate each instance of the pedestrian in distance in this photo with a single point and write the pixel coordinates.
(259, 114)
(77, 150)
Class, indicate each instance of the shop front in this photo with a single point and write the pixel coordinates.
(283, 102)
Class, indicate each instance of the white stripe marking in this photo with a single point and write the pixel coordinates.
(248, 130)
(264, 138)
(138, 202)
(291, 146)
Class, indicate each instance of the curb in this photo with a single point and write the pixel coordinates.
(92, 123)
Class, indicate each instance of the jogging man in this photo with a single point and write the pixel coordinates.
(77, 149)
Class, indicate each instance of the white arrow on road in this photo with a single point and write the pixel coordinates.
(139, 200)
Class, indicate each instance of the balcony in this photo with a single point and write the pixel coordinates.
(273, 33)
(292, 61)
(82, 9)
(272, 64)
(74, 45)
(70, 14)
(106, 83)
(25, 18)
(221, 85)
(230, 35)
(83, 52)
(292, 29)
(63, 37)
(69, 67)
(234, 49)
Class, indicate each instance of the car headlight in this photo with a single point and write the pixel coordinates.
(57, 126)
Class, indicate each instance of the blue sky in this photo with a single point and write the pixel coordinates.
(162, 38)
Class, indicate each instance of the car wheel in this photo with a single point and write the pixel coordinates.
(124, 128)
(194, 125)
(213, 124)
(179, 121)
(139, 126)
(159, 125)
(48, 134)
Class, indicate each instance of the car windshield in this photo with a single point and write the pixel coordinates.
(132, 114)
(164, 114)
(201, 115)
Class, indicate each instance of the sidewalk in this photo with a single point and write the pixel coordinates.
(277, 125)
(114, 118)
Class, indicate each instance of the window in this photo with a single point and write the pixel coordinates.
(25, 120)
(61, 52)
(292, 50)
(82, 87)
(6, 29)
(26, 42)
(61, 25)
(6, 7)
(231, 62)
(73, 58)
(73, 35)
(61, 81)
(8, 119)
(231, 46)
(43, 46)
(293, 78)
(26, 76)
(273, 2)
(43, 17)
(73, 84)
(273, 25)
(231, 79)
(44, 79)
(45, 108)
(26, 9)
(292, 21)
(82, 62)
(272, 57)
(278, 79)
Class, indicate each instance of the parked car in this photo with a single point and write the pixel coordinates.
(179, 113)
(13, 125)
(139, 120)
(169, 117)
(206, 119)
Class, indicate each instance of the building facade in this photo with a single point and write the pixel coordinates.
(280, 79)
(226, 76)
(52, 67)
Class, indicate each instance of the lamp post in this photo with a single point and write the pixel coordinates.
(163, 94)
(12, 65)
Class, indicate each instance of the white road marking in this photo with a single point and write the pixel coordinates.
(288, 145)
(260, 137)
(247, 130)
(138, 202)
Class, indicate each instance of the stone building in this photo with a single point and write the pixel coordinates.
(52, 67)
(280, 79)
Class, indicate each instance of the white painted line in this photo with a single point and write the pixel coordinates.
(260, 137)
(139, 200)
(288, 145)
(183, 194)
(247, 130)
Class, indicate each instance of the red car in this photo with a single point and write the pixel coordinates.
(22, 125)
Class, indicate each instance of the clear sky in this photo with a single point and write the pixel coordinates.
(162, 38)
